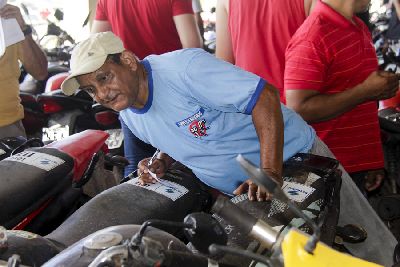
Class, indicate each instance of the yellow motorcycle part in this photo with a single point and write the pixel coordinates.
(294, 254)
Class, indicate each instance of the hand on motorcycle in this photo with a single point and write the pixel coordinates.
(10, 12)
(380, 85)
(373, 179)
(158, 167)
(257, 192)
(254, 192)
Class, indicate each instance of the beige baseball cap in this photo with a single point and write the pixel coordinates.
(89, 55)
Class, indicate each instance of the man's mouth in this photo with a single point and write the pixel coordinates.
(112, 99)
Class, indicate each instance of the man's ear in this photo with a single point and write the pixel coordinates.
(129, 59)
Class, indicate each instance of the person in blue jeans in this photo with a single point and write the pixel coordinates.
(203, 112)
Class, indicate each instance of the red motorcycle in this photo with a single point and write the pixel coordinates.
(42, 186)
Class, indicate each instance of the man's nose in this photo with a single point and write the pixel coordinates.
(102, 94)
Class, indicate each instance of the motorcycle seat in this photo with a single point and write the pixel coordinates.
(29, 179)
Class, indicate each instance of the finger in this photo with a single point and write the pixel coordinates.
(375, 183)
(146, 179)
(241, 189)
(252, 193)
(261, 194)
(157, 167)
(371, 187)
(142, 165)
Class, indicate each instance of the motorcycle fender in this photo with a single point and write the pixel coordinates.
(294, 254)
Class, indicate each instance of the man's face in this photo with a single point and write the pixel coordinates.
(361, 5)
(113, 85)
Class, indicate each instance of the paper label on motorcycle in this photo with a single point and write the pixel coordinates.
(115, 139)
(55, 133)
(40, 160)
(166, 188)
(297, 192)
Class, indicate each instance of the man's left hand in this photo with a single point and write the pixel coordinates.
(373, 179)
(254, 192)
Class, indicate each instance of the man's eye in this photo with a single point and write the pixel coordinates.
(104, 77)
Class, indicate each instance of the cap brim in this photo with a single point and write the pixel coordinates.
(70, 84)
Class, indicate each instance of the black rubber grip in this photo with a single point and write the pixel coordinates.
(224, 208)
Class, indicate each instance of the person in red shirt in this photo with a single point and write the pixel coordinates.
(254, 34)
(332, 80)
(147, 27)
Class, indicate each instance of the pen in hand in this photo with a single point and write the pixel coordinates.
(151, 162)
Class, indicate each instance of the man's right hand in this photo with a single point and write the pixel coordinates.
(380, 85)
(158, 167)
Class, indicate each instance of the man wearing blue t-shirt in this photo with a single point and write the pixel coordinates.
(203, 112)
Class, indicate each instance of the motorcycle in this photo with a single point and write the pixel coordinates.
(42, 186)
(180, 193)
(134, 245)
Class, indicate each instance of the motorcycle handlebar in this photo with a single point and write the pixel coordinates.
(59, 54)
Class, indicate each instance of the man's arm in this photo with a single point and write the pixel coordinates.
(306, 72)
(224, 44)
(268, 121)
(314, 106)
(32, 57)
(101, 26)
(188, 31)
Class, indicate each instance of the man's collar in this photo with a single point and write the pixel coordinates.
(338, 19)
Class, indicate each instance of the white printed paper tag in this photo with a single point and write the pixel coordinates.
(166, 188)
(297, 192)
(40, 160)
